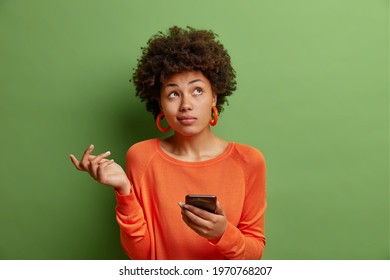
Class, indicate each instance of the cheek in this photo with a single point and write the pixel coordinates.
(169, 110)
(167, 107)
(207, 108)
(163, 105)
(208, 113)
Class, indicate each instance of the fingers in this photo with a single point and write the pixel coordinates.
(84, 162)
(219, 210)
(195, 211)
(197, 218)
(199, 229)
(75, 162)
(96, 161)
(104, 163)
(205, 224)
(90, 163)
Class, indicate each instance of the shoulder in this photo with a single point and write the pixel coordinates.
(141, 151)
(247, 154)
(142, 146)
(139, 155)
(252, 163)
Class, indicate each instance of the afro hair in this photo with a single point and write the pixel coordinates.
(183, 50)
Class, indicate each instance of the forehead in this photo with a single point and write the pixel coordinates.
(185, 78)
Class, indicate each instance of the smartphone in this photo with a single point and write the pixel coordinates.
(205, 202)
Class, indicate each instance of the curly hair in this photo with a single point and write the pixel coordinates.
(178, 51)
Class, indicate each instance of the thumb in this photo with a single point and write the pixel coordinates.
(219, 210)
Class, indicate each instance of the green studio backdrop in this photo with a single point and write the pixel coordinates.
(312, 96)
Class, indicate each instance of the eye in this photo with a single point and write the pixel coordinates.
(173, 95)
(198, 91)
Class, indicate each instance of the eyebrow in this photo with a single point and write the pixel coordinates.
(191, 82)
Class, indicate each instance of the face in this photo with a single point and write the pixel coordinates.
(186, 99)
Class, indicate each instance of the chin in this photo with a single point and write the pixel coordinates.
(186, 133)
(189, 131)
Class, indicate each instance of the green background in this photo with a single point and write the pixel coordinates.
(312, 96)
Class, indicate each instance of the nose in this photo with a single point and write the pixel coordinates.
(186, 104)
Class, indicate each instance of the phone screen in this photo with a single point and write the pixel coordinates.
(205, 202)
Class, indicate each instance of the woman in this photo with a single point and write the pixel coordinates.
(185, 77)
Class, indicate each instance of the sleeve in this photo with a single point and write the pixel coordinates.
(247, 240)
(134, 233)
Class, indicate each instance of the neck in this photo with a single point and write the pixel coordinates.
(198, 147)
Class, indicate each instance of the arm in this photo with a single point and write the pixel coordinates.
(247, 240)
(133, 230)
(134, 233)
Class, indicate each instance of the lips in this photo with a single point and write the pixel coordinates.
(186, 119)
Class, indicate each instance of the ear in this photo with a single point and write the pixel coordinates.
(159, 103)
(214, 99)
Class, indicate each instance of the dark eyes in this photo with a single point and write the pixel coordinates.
(174, 94)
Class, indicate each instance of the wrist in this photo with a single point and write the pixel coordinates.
(215, 240)
(124, 190)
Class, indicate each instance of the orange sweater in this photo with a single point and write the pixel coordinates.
(151, 226)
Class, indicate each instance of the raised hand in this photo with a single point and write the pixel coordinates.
(103, 170)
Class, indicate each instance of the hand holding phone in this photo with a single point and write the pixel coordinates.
(208, 226)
